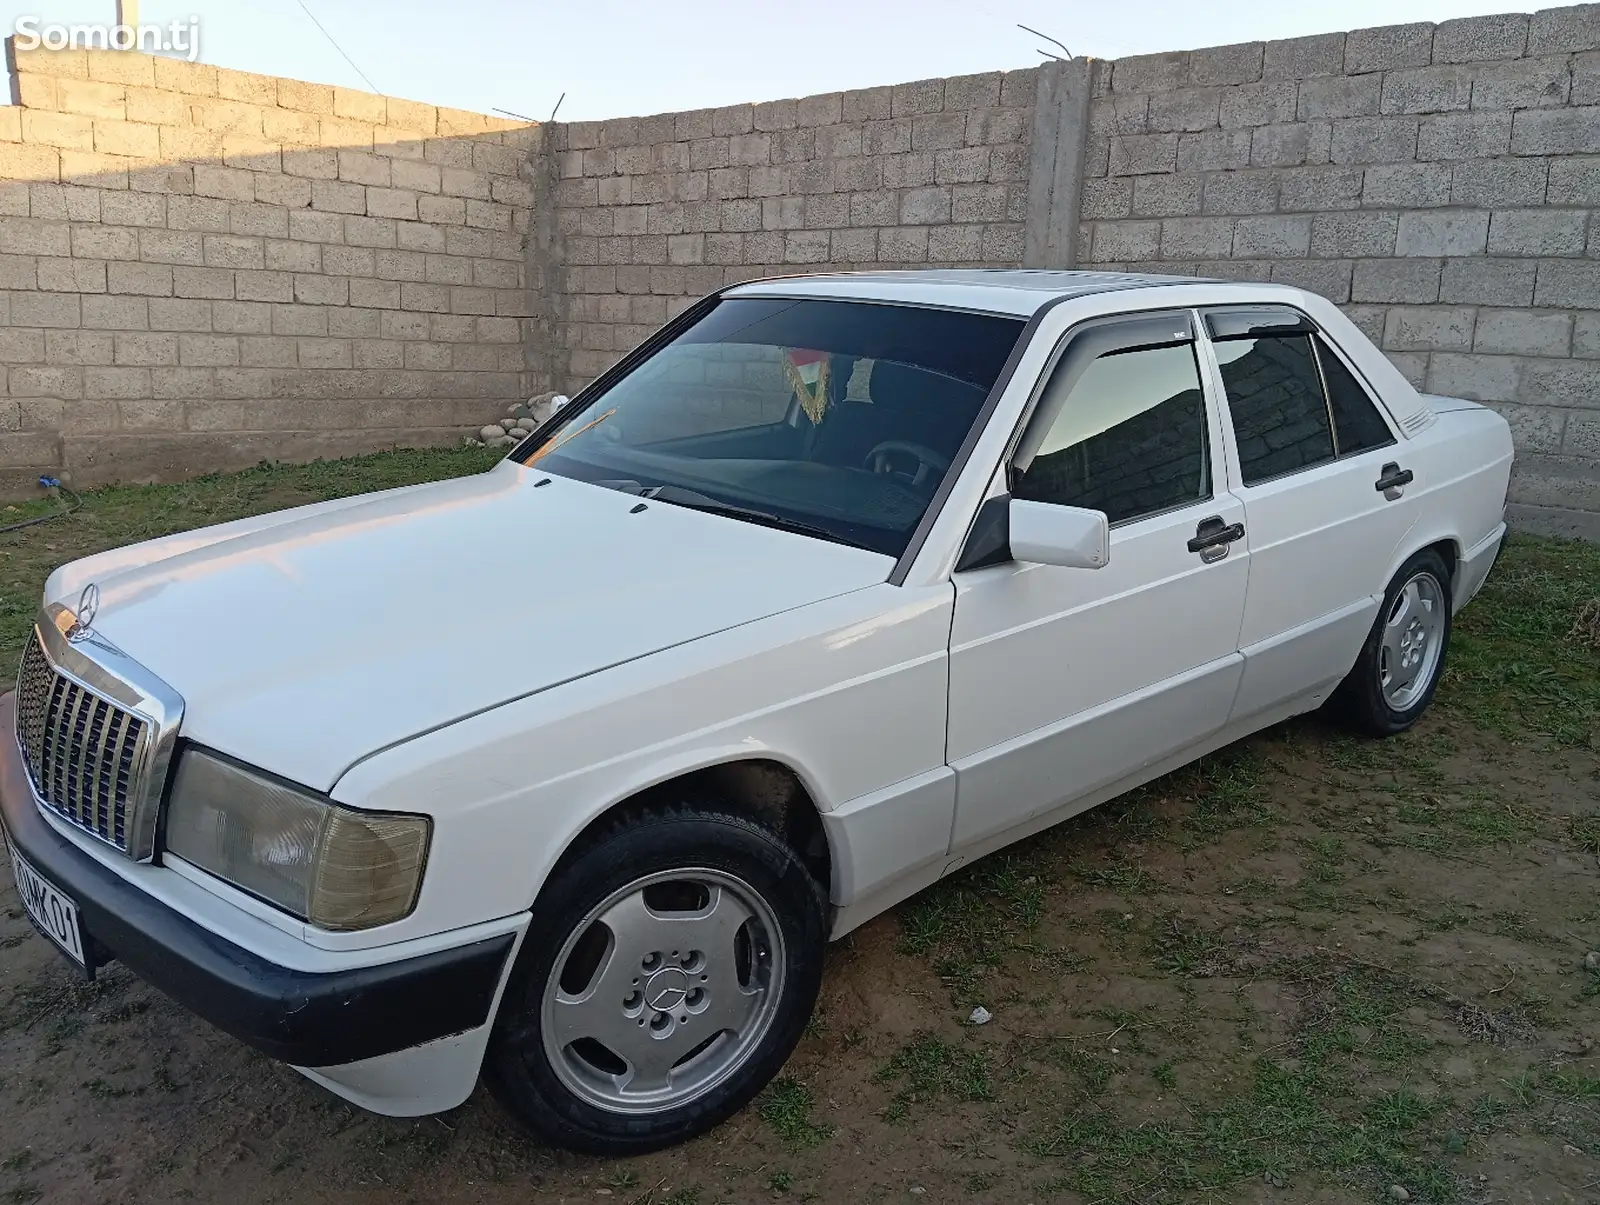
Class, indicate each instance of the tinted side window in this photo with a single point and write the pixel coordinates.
(1356, 420)
(1130, 439)
(1280, 419)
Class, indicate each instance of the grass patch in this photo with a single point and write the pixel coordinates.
(1515, 665)
(969, 922)
(786, 1106)
(929, 1066)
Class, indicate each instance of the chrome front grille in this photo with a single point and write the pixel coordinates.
(83, 752)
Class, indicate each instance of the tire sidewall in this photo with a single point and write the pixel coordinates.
(517, 1067)
(1371, 709)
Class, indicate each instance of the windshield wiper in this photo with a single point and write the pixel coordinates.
(694, 500)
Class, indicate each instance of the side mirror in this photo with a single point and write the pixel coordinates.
(1068, 536)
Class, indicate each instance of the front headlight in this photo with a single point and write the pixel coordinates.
(330, 865)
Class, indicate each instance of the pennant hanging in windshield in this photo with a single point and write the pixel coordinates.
(808, 373)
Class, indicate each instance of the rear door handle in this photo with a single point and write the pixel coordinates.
(1392, 480)
(1212, 537)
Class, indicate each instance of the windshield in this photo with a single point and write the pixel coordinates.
(832, 418)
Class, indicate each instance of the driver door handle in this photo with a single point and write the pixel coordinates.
(1212, 537)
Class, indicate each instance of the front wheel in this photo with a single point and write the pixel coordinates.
(668, 972)
(1397, 673)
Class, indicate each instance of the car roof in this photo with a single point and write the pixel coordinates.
(1016, 291)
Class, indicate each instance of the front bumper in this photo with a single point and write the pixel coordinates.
(310, 1019)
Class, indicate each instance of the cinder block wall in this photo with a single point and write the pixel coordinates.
(202, 268)
(1441, 182)
(651, 212)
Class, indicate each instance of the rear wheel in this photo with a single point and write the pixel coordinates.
(1397, 672)
(667, 974)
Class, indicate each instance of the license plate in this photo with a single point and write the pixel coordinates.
(49, 908)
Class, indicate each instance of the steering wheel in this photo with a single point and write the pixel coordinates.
(929, 462)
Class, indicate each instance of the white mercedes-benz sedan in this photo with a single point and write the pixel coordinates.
(834, 585)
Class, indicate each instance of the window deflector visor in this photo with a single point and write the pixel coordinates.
(1085, 346)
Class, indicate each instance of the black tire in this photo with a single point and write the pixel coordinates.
(517, 1067)
(1359, 700)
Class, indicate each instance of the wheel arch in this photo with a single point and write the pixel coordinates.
(766, 788)
(1446, 544)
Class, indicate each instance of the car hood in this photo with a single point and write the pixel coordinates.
(302, 645)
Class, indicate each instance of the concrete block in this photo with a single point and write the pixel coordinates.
(1522, 84)
(1396, 281)
(920, 96)
(938, 131)
(1121, 241)
(906, 244)
(1479, 281)
(1151, 72)
(1498, 183)
(1196, 238)
(1523, 333)
(1560, 383)
(1406, 186)
(925, 206)
(109, 101)
(1281, 145)
(1429, 328)
(1565, 30)
(965, 165)
(1185, 109)
(1574, 181)
(1586, 79)
(1239, 192)
(1224, 65)
(1573, 131)
(965, 92)
(145, 350)
(1340, 96)
(1374, 140)
(1586, 335)
(1214, 150)
(171, 246)
(1538, 232)
(71, 275)
(117, 383)
(1474, 39)
(994, 202)
(955, 244)
(1354, 235)
(1272, 237)
(1143, 154)
(1388, 47)
(1582, 439)
(1427, 90)
(1258, 105)
(1474, 377)
(1106, 199)
(1452, 136)
(58, 129)
(1448, 232)
(1534, 429)
(1166, 196)
(1301, 58)
(1573, 284)
(149, 280)
(1308, 189)
(1002, 244)
(1329, 278)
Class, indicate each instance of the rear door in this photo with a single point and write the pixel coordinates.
(1063, 681)
(1327, 502)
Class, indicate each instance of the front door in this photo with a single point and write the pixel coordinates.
(1312, 454)
(1063, 681)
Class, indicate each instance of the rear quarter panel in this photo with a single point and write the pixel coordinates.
(1464, 461)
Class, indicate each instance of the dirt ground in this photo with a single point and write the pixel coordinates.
(1312, 969)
